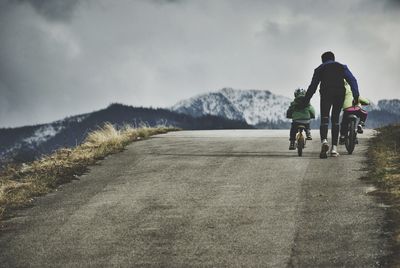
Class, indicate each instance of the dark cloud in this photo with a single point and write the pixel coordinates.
(392, 5)
(168, 1)
(59, 58)
(394, 2)
(54, 9)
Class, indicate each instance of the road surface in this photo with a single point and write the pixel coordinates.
(206, 199)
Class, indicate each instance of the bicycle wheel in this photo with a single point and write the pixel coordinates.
(351, 137)
(300, 144)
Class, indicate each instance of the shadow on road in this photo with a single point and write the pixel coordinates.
(240, 154)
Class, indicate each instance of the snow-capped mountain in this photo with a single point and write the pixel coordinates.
(33, 138)
(263, 109)
(215, 103)
(47, 131)
(253, 106)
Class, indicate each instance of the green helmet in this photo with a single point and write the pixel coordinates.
(299, 92)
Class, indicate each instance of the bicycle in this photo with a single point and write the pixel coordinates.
(300, 139)
(351, 134)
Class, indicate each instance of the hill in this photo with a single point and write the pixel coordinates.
(29, 142)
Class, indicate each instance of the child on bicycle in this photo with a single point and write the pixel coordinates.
(300, 115)
(352, 108)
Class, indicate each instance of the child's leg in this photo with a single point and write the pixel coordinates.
(308, 128)
(343, 125)
(308, 131)
(362, 114)
(293, 131)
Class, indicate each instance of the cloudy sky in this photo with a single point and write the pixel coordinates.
(60, 58)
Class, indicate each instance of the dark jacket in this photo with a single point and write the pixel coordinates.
(297, 111)
(331, 75)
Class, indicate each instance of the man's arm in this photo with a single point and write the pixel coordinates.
(352, 82)
(313, 86)
(364, 101)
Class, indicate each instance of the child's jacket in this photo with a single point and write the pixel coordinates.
(297, 111)
(348, 98)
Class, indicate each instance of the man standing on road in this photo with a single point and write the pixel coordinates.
(331, 75)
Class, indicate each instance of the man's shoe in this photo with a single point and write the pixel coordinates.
(292, 146)
(360, 129)
(334, 152)
(324, 150)
(342, 140)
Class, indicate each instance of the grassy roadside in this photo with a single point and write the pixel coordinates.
(384, 172)
(19, 185)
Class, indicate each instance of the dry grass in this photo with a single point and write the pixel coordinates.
(384, 172)
(19, 185)
(384, 159)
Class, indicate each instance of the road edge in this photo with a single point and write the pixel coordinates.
(383, 166)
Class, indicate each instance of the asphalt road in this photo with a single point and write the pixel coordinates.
(206, 199)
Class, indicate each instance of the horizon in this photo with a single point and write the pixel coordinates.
(63, 58)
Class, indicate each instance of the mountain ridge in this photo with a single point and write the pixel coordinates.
(253, 106)
(264, 109)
